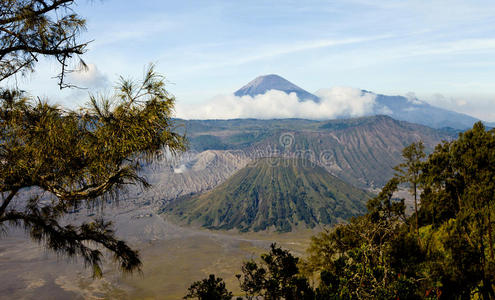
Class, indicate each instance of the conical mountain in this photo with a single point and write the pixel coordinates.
(278, 193)
(262, 84)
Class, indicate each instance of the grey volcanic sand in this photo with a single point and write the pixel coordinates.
(173, 257)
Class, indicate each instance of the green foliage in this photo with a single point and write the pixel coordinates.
(410, 171)
(72, 157)
(449, 255)
(383, 207)
(276, 277)
(457, 205)
(355, 261)
(209, 289)
(82, 156)
(453, 264)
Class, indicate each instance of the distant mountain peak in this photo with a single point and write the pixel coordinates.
(263, 84)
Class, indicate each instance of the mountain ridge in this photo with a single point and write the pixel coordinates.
(360, 151)
(399, 107)
(421, 112)
(264, 83)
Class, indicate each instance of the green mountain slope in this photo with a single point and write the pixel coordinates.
(279, 192)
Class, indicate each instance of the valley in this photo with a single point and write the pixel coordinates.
(336, 163)
(172, 257)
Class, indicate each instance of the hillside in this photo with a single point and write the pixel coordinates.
(190, 173)
(360, 151)
(273, 192)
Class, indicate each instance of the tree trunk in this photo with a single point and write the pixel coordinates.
(490, 239)
(7, 200)
(416, 210)
(487, 290)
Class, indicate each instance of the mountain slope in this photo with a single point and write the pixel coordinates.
(361, 151)
(263, 84)
(420, 112)
(276, 192)
(190, 173)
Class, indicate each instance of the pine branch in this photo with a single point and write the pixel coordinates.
(73, 241)
(7, 200)
(46, 8)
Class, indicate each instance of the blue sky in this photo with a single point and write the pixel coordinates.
(443, 51)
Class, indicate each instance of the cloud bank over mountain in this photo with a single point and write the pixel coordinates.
(274, 104)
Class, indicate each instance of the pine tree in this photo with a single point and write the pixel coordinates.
(410, 170)
(210, 288)
(68, 158)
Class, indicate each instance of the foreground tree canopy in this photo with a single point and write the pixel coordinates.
(210, 288)
(53, 160)
(444, 251)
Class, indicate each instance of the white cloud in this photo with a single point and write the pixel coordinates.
(476, 105)
(413, 99)
(90, 78)
(181, 169)
(335, 102)
(384, 110)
